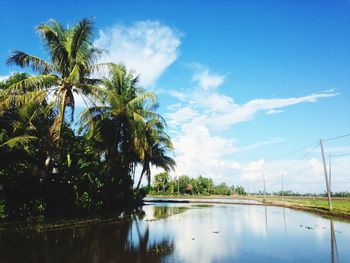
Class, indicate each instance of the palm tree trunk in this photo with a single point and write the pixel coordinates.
(145, 169)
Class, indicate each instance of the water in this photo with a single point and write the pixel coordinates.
(189, 233)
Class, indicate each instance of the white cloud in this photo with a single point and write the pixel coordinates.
(147, 47)
(207, 80)
(181, 115)
(221, 111)
(273, 111)
(236, 113)
(174, 106)
(182, 96)
(204, 112)
(199, 152)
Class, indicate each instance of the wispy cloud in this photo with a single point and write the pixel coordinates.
(273, 111)
(221, 111)
(147, 47)
(261, 144)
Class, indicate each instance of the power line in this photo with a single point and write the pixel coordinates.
(290, 153)
(338, 137)
(340, 155)
(303, 170)
(302, 157)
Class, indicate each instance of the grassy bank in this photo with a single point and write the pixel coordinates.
(341, 206)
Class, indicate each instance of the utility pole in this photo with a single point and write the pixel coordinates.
(264, 185)
(326, 177)
(178, 186)
(282, 184)
(330, 174)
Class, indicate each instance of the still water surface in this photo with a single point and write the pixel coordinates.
(189, 233)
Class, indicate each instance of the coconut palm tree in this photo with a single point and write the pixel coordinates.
(66, 73)
(118, 124)
(159, 145)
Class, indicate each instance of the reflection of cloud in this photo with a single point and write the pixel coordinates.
(206, 245)
(242, 232)
(256, 218)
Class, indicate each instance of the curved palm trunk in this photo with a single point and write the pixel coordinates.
(144, 170)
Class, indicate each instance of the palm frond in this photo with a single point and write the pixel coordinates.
(80, 35)
(22, 59)
(54, 36)
(19, 141)
(33, 83)
(147, 97)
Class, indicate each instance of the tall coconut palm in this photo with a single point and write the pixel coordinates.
(118, 124)
(67, 72)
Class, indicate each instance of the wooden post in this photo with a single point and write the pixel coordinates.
(326, 176)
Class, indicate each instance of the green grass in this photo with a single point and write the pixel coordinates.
(341, 205)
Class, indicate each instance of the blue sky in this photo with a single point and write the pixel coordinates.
(239, 82)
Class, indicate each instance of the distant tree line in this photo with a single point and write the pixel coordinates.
(291, 193)
(163, 184)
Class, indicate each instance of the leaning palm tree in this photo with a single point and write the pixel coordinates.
(117, 124)
(160, 144)
(66, 73)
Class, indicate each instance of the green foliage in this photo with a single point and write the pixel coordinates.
(222, 189)
(47, 167)
(163, 184)
(240, 190)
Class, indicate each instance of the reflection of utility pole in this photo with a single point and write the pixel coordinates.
(326, 177)
(284, 219)
(334, 247)
(266, 219)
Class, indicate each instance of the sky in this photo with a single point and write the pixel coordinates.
(247, 87)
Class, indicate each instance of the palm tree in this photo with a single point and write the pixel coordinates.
(159, 144)
(66, 74)
(118, 125)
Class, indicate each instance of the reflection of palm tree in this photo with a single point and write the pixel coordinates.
(140, 248)
(105, 242)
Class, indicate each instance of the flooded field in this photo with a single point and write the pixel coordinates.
(189, 232)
